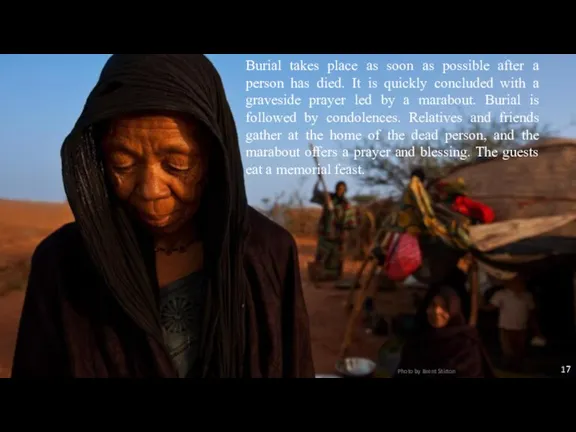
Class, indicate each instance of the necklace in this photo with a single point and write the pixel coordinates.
(169, 251)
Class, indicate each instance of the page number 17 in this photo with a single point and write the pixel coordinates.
(565, 369)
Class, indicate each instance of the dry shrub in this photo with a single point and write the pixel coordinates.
(14, 276)
(303, 222)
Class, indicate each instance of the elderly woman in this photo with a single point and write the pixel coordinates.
(167, 272)
(447, 347)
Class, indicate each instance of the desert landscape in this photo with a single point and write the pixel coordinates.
(24, 224)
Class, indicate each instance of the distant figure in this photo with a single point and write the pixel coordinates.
(338, 217)
(516, 314)
(448, 347)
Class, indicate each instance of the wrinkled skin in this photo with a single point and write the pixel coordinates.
(157, 166)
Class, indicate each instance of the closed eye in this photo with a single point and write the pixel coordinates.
(179, 167)
(122, 168)
(179, 164)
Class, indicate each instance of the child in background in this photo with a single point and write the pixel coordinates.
(516, 315)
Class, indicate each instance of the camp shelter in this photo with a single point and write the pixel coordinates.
(534, 187)
(526, 187)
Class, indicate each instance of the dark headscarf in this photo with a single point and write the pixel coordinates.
(341, 183)
(342, 198)
(456, 280)
(454, 309)
(187, 84)
(457, 346)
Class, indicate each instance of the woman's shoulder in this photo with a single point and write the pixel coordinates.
(270, 248)
(62, 243)
(265, 234)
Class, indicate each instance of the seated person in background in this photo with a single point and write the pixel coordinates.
(456, 280)
(517, 313)
(448, 347)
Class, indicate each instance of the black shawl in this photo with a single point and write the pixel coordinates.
(118, 258)
(454, 351)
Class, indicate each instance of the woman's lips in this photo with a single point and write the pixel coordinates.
(155, 220)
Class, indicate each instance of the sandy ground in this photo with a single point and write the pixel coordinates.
(24, 224)
(328, 318)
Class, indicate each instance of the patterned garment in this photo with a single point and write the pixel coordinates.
(331, 229)
(331, 254)
(408, 219)
(333, 223)
(181, 313)
(417, 217)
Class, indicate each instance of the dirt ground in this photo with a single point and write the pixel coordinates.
(24, 224)
(328, 318)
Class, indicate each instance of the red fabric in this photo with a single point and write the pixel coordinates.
(403, 258)
(473, 209)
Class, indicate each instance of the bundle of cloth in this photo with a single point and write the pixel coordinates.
(455, 196)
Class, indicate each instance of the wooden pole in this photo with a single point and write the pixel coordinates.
(327, 199)
(370, 257)
(358, 304)
(320, 176)
(356, 282)
(473, 275)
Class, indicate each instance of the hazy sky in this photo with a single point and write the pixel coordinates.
(42, 95)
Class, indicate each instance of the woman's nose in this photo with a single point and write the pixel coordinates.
(151, 186)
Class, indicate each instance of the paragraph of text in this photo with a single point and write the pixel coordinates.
(435, 109)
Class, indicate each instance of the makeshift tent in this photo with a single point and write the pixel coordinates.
(526, 187)
(534, 201)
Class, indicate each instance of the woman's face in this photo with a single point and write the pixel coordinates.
(437, 313)
(341, 190)
(158, 167)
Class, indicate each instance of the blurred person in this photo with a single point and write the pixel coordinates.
(338, 217)
(447, 347)
(456, 280)
(516, 315)
(166, 271)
